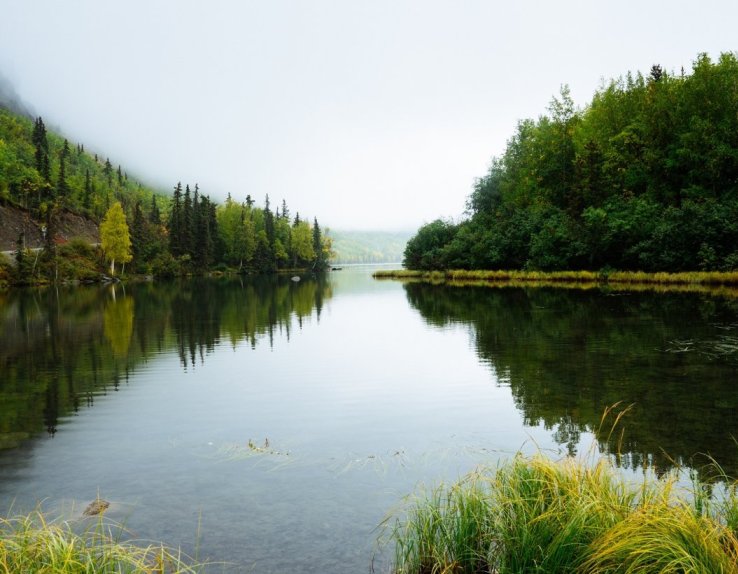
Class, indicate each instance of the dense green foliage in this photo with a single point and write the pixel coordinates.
(644, 177)
(537, 515)
(41, 171)
(47, 178)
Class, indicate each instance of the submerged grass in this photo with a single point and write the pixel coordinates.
(727, 282)
(32, 543)
(533, 514)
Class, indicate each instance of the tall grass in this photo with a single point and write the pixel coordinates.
(32, 543)
(537, 515)
(579, 279)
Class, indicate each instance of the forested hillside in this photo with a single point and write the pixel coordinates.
(368, 246)
(40, 169)
(48, 183)
(643, 177)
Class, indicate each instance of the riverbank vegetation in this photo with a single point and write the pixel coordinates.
(532, 514)
(643, 178)
(725, 283)
(53, 191)
(33, 543)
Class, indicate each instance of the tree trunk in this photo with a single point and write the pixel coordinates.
(112, 268)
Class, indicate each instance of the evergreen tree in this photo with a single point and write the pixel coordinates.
(320, 258)
(205, 230)
(187, 223)
(138, 232)
(120, 177)
(269, 223)
(196, 247)
(176, 222)
(62, 187)
(108, 171)
(41, 143)
(285, 211)
(154, 214)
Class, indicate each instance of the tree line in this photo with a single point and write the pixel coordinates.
(198, 234)
(645, 177)
(43, 174)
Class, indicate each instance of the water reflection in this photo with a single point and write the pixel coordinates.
(568, 355)
(63, 347)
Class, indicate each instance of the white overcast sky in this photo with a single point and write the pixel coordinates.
(375, 114)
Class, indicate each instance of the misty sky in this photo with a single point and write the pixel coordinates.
(374, 115)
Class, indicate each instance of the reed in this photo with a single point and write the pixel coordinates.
(34, 544)
(532, 514)
(614, 279)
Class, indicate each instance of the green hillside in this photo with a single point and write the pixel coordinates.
(368, 246)
(53, 191)
(91, 183)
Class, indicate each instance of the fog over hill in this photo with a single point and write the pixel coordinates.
(369, 246)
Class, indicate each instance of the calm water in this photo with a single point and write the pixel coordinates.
(273, 424)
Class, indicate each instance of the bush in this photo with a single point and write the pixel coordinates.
(165, 265)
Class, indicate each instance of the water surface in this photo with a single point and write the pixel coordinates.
(273, 424)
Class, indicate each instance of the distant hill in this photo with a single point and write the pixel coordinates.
(369, 246)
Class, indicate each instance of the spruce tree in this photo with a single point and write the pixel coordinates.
(41, 143)
(154, 214)
(187, 231)
(108, 171)
(138, 232)
(196, 247)
(175, 222)
(318, 246)
(62, 187)
(269, 223)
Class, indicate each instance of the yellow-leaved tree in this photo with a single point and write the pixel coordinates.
(114, 236)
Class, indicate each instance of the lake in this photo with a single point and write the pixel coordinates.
(271, 425)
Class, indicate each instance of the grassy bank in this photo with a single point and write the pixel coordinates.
(537, 515)
(631, 280)
(34, 544)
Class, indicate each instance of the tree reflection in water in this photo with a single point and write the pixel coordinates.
(567, 355)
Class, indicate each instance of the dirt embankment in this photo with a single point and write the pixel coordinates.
(15, 221)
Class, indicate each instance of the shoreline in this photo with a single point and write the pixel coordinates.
(714, 282)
